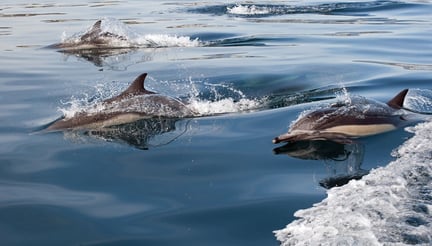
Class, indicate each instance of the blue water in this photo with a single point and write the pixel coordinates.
(211, 180)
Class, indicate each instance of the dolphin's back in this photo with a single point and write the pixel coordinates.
(343, 121)
(94, 38)
(329, 118)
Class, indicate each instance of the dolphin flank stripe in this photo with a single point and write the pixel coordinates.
(362, 130)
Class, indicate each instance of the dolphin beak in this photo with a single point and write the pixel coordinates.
(283, 138)
(276, 140)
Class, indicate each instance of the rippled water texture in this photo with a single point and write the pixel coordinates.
(246, 70)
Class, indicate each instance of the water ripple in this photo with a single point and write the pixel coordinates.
(96, 204)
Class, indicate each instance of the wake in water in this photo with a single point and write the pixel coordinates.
(263, 10)
(392, 204)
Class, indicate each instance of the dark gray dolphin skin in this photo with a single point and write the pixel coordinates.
(344, 122)
(133, 104)
(94, 38)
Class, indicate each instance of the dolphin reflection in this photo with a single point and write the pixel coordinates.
(343, 160)
(141, 134)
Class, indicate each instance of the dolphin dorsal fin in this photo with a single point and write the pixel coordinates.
(136, 88)
(97, 25)
(397, 101)
(93, 32)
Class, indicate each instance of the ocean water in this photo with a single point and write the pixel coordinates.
(249, 69)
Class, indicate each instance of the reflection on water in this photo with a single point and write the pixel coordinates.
(343, 161)
(407, 66)
(141, 134)
(115, 59)
(212, 179)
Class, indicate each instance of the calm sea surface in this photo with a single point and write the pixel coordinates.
(250, 67)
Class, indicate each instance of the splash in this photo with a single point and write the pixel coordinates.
(90, 100)
(220, 99)
(419, 100)
(73, 106)
(343, 95)
(223, 106)
(202, 99)
(248, 10)
(391, 205)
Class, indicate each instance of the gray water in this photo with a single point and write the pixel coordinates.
(211, 180)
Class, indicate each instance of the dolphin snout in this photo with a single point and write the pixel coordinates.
(282, 138)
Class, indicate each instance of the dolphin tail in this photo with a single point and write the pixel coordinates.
(397, 101)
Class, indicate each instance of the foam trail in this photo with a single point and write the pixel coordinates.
(248, 10)
(226, 105)
(390, 206)
(222, 98)
(165, 40)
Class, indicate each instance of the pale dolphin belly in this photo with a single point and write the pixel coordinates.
(361, 130)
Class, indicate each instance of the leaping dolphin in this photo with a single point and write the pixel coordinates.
(94, 38)
(133, 104)
(342, 122)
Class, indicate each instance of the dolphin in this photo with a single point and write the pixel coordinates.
(344, 121)
(94, 38)
(133, 104)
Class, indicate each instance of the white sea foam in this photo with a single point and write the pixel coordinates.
(217, 102)
(72, 107)
(419, 100)
(390, 206)
(227, 105)
(248, 10)
(165, 40)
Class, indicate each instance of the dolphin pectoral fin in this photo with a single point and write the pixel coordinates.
(397, 101)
